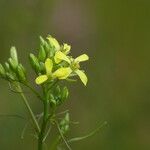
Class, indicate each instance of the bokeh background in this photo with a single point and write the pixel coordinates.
(116, 36)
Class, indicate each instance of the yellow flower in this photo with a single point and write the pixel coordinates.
(64, 51)
(74, 64)
(61, 73)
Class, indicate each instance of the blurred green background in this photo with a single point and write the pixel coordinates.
(116, 36)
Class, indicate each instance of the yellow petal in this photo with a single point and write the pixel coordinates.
(53, 42)
(59, 56)
(48, 66)
(82, 76)
(83, 57)
(41, 79)
(66, 48)
(62, 73)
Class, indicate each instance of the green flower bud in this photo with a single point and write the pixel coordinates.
(57, 90)
(53, 103)
(42, 41)
(21, 73)
(2, 71)
(64, 124)
(42, 54)
(10, 76)
(23, 69)
(64, 94)
(47, 47)
(7, 67)
(42, 67)
(13, 64)
(34, 63)
(13, 54)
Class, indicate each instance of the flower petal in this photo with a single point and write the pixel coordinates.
(53, 42)
(82, 76)
(41, 79)
(61, 56)
(48, 66)
(82, 57)
(66, 48)
(62, 73)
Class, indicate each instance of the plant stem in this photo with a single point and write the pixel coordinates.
(36, 125)
(44, 123)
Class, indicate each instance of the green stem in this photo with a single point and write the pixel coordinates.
(36, 125)
(33, 90)
(43, 127)
(55, 143)
(44, 123)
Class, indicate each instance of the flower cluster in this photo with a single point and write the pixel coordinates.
(12, 70)
(54, 62)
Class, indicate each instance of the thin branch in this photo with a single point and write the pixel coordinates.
(48, 131)
(88, 135)
(29, 110)
(33, 90)
(63, 112)
(15, 116)
(62, 136)
(23, 131)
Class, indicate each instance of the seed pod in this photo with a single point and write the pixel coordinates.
(2, 71)
(20, 73)
(34, 63)
(42, 54)
(13, 54)
(13, 64)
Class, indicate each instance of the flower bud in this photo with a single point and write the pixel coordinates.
(7, 66)
(34, 63)
(42, 54)
(42, 67)
(64, 124)
(42, 41)
(57, 90)
(64, 94)
(21, 73)
(53, 103)
(10, 76)
(53, 42)
(2, 71)
(13, 54)
(13, 63)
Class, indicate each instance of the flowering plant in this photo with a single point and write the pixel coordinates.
(52, 65)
